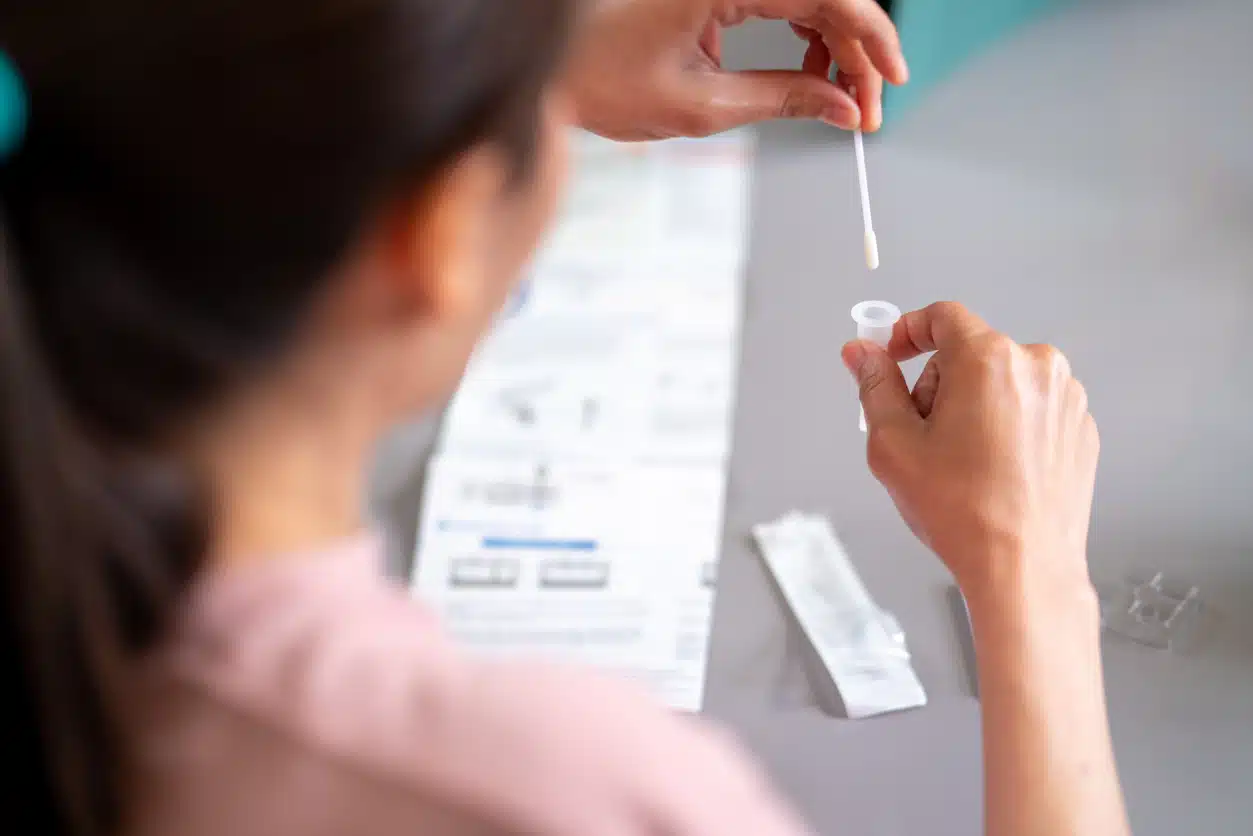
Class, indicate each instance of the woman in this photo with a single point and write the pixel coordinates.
(241, 241)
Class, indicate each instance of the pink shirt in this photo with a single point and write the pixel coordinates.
(310, 696)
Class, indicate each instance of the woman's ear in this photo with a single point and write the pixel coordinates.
(440, 239)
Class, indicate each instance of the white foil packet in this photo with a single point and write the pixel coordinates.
(860, 645)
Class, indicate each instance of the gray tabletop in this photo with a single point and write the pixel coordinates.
(1090, 184)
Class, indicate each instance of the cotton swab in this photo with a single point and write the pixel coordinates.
(871, 242)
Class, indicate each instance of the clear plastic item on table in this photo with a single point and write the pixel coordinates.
(1159, 612)
(875, 322)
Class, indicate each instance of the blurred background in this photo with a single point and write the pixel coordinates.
(1078, 173)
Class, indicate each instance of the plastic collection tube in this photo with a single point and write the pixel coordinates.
(875, 321)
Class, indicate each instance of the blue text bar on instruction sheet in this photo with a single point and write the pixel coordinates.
(528, 544)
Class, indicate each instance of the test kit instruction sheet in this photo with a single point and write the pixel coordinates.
(574, 506)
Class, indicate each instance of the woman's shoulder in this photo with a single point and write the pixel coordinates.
(320, 642)
(324, 663)
(291, 685)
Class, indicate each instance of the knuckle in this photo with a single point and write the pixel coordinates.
(996, 352)
(798, 105)
(1038, 352)
(1051, 359)
(947, 310)
(1001, 346)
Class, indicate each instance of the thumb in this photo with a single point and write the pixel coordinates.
(884, 394)
(742, 98)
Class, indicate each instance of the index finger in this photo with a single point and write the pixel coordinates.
(939, 326)
(866, 21)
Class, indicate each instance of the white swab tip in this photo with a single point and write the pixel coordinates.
(872, 250)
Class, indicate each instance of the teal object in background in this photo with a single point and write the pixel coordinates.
(940, 35)
(12, 107)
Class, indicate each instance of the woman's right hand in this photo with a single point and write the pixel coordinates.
(992, 458)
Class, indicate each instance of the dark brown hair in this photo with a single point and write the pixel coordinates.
(191, 172)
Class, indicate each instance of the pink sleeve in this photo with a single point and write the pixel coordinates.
(564, 752)
(572, 754)
(361, 676)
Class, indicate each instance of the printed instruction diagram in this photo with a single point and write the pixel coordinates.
(574, 504)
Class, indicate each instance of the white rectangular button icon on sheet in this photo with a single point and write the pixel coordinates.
(580, 574)
(483, 572)
(851, 635)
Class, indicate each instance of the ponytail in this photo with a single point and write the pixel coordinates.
(87, 581)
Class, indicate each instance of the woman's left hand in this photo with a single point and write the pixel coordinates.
(650, 69)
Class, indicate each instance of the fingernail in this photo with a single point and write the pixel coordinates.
(843, 118)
